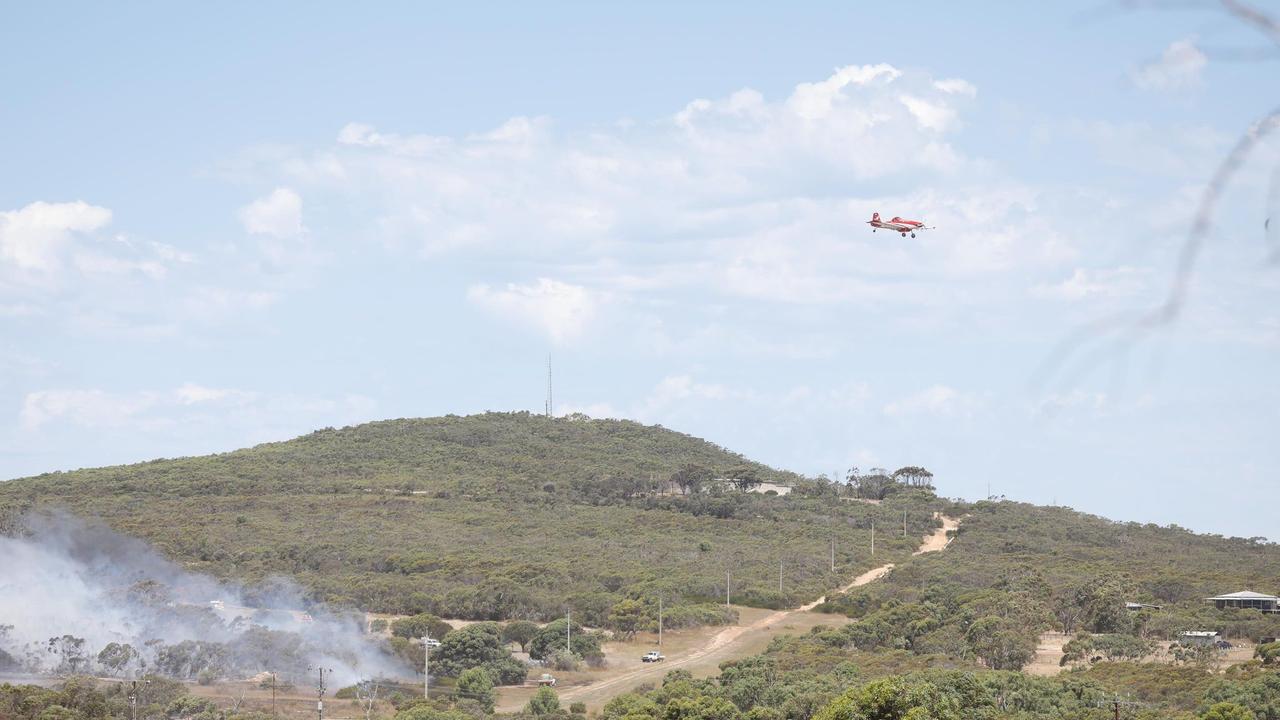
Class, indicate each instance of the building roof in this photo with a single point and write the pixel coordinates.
(1245, 595)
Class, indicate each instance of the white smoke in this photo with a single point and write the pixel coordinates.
(65, 577)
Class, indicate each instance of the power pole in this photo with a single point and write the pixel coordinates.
(659, 621)
(426, 666)
(568, 630)
(779, 574)
(873, 538)
(273, 694)
(726, 589)
(320, 694)
(904, 523)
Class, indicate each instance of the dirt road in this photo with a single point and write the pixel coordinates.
(704, 658)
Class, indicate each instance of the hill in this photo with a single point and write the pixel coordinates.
(487, 516)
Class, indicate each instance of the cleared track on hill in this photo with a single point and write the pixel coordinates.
(728, 644)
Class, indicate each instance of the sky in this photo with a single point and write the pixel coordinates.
(228, 224)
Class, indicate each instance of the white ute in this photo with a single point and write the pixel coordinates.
(653, 656)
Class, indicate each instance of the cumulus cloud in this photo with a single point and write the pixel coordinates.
(278, 214)
(559, 309)
(1180, 67)
(33, 238)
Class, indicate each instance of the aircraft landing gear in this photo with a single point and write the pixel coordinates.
(904, 235)
(913, 234)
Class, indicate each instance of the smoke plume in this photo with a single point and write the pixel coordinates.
(78, 597)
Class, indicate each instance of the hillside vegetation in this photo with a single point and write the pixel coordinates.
(1016, 570)
(493, 516)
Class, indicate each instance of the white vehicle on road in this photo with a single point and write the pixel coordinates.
(653, 656)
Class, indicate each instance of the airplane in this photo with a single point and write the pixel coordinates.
(897, 224)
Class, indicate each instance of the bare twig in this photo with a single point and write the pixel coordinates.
(1124, 329)
(1254, 17)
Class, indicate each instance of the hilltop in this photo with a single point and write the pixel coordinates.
(498, 515)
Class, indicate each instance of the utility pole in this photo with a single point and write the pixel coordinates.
(273, 694)
(320, 693)
(873, 538)
(779, 574)
(659, 621)
(568, 630)
(426, 666)
(726, 588)
(904, 523)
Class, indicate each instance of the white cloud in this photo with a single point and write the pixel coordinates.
(957, 86)
(1180, 67)
(194, 394)
(278, 214)
(814, 101)
(34, 237)
(1121, 282)
(930, 115)
(86, 408)
(937, 400)
(559, 309)
(188, 410)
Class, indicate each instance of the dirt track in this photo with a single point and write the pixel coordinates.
(704, 658)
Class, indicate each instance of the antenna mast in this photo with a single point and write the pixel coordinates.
(550, 407)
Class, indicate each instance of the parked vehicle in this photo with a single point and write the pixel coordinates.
(433, 643)
(653, 656)
(547, 680)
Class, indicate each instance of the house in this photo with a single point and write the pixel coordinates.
(1247, 599)
(1198, 637)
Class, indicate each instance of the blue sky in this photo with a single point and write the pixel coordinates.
(226, 225)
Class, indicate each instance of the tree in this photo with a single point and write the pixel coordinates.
(1268, 653)
(1227, 711)
(626, 617)
(367, 696)
(914, 476)
(552, 637)
(475, 684)
(744, 478)
(116, 657)
(519, 632)
(874, 485)
(999, 646)
(418, 626)
(543, 702)
(70, 653)
(470, 647)
(691, 477)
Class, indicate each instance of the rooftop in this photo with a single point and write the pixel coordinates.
(1245, 595)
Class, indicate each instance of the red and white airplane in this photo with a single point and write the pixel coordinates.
(897, 224)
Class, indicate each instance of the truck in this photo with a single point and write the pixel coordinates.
(547, 680)
(653, 656)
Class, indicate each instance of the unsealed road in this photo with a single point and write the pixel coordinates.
(729, 643)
